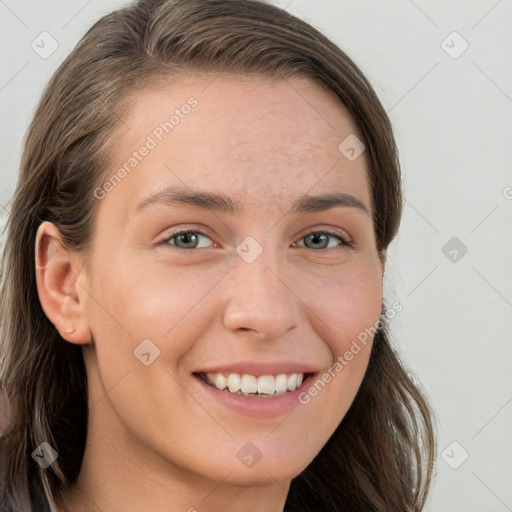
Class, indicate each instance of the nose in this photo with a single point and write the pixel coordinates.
(261, 300)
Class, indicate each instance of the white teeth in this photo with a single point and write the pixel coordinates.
(251, 385)
(291, 381)
(234, 382)
(219, 380)
(266, 385)
(281, 384)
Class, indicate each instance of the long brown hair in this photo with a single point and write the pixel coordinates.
(381, 456)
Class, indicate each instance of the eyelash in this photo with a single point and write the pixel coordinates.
(167, 239)
(344, 243)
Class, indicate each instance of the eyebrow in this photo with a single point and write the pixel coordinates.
(223, 203)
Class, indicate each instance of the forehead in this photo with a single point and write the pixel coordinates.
(245, 134)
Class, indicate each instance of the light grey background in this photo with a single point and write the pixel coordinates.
(452, 119)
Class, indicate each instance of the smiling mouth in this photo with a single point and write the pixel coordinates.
(250, 385)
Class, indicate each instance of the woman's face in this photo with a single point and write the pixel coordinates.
(222, 250)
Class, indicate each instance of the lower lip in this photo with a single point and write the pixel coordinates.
(257, 407)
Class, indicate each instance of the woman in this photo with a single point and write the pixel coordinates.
(209, 189)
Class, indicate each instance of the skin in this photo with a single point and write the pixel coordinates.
(156, 440)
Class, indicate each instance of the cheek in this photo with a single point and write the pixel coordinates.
(345, 312)
(152, 301)
(345, 305)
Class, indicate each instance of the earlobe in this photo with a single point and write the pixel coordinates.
(58, 287)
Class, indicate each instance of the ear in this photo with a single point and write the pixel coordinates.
(57, 274)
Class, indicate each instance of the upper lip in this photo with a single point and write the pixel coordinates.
(259, 368)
